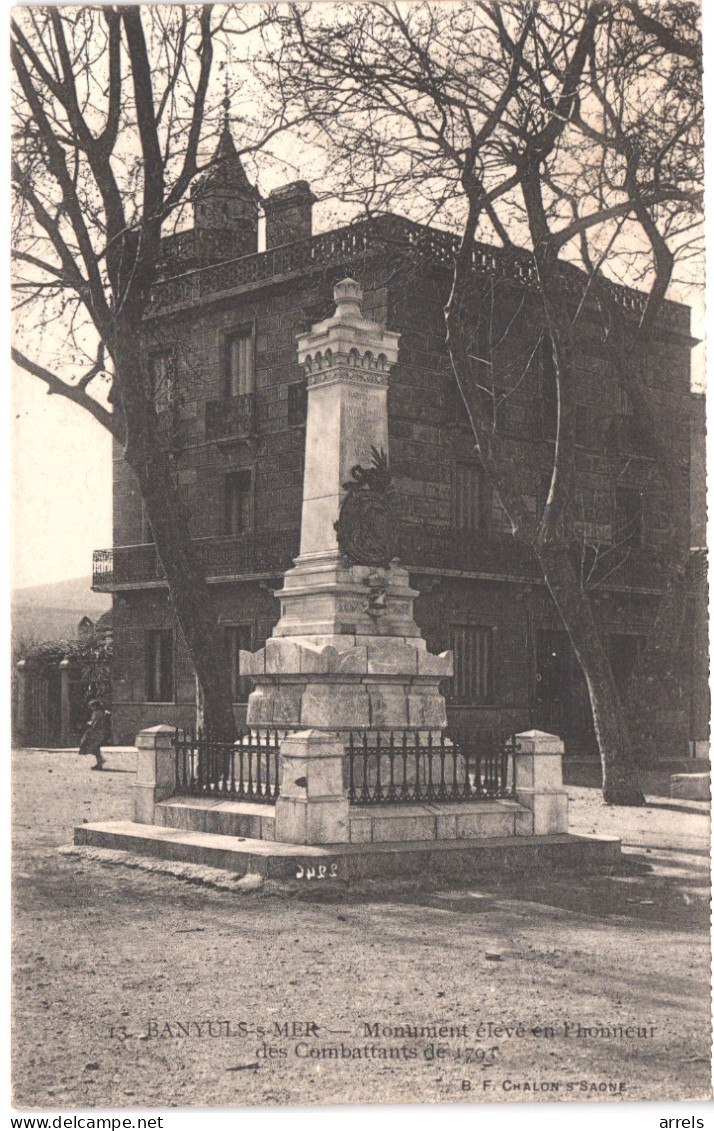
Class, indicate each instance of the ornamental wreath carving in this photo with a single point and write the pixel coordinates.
(368, 523)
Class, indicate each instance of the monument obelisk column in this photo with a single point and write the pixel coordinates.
(347, 360)
(346, 651)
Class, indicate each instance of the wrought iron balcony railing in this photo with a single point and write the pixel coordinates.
(468, 551)
(134, 566)
(231, 417)
(422, 547)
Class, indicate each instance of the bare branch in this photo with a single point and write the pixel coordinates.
(75, 393)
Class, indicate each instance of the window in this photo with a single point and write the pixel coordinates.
(147, 534)
(162, 380)
(624, 404)
(297, 403)
(543, 492)
(159, 665)
(591, 514)
(454, 408)
(238, 503)
(468, 496)
(500, 523)
(237, 637)
(631, 436)
(508, 415)
(473, 664)
(238, 363)
(628, 516)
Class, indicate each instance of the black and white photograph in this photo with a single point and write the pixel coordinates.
(359, 647)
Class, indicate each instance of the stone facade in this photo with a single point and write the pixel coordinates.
(241, 460)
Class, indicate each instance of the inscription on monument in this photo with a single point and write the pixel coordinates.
(364, 423)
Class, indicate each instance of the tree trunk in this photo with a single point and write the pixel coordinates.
(619, 772)
(146, 453)
(657, 674)
(546, 539)
(188, 591)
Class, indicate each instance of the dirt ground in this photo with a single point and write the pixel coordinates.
(138, 989)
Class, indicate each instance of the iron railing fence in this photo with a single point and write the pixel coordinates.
(392, 767)
(244, 770)
(382, 767)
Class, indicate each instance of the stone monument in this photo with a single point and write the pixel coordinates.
(347, 659)
(346, 651)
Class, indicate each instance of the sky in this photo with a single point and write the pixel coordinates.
(61, 486)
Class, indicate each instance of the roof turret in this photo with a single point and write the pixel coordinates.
(224, 200)
(226, 173)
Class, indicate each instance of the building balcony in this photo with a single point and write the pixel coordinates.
(423, 548)
(231, 418)
(137, 567)
(630, 437)
(464, 551)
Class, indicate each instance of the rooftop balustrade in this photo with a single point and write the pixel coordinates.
(387, 233)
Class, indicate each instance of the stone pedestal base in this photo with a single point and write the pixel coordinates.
(346, 681)
(322, 596)
(346, 652)
(386, 702)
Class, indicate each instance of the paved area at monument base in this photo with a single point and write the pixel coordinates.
(353, 861)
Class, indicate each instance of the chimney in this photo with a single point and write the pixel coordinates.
(288, 214)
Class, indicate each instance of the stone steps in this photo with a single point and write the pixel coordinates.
(452, 859)
(222, 818)
(367, 823)
(473, 820)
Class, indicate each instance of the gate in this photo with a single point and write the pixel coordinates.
(43, 710)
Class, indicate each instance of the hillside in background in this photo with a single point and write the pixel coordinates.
(52, 612)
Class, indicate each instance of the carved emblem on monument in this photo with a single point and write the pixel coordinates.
(368, 524)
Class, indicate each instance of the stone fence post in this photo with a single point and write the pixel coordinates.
(539, 781)
(312, 807)
(155, 771)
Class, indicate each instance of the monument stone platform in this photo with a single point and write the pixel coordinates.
(347, 664)
(455, 860)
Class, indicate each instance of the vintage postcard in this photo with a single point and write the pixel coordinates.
(360, 635)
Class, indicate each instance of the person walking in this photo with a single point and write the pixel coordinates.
(91, 742)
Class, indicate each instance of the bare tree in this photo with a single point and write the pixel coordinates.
(570, 133)
(112, 108)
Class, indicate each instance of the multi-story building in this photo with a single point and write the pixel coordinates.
(221, 356)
